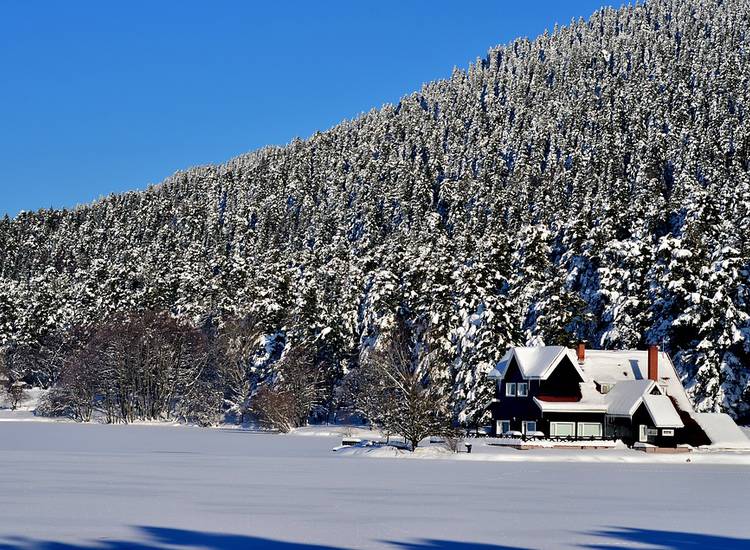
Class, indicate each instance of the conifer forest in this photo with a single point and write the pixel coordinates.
(591, 184)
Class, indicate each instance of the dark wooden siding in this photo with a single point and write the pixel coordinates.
(563, 381)
(516, 409)
(642, 416)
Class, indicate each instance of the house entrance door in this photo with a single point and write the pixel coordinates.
(642, 433)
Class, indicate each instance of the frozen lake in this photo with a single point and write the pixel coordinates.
(66, 486)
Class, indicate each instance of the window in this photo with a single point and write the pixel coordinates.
(523, 389)
(589, 429)
(562, 429)
(668, 433)
(529, 426)
(503, 426)
(510, 389)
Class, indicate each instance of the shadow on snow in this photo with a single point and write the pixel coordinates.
(160, 538)
(665, 540)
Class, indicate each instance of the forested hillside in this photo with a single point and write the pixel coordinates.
(593, 183)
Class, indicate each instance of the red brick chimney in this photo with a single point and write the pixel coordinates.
(581, 350)
(653, 363)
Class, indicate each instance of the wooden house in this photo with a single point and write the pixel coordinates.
(556, 392)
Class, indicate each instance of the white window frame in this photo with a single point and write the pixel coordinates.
(525, 386)
(510, 389)
(499, 424)
(525, 426)
(668, 432)
(581, 425)
(553, 429)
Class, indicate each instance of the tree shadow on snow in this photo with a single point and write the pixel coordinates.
(433, 544)
(161, 538)
(665, 540)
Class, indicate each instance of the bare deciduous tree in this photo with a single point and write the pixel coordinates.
(11, 378)
(286, 401)
(395, 390)
(147, 366)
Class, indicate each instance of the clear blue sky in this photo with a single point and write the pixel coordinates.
(100, 97)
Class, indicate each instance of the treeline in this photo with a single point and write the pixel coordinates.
(153, 366)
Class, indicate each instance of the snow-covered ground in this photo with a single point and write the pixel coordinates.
(68, 486)
(619, 454)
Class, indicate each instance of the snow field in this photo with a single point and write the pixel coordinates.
(83, 486)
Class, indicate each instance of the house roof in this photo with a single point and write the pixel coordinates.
(625, 397)
(602, 366)
(615, 366)
(623, 400)
(722, 431)
(662, 411)
(591, 402)
(535, 363)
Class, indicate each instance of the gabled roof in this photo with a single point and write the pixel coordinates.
(602, 366)
(662, 411)
(625, 397)
(611, 366)
(535, 363)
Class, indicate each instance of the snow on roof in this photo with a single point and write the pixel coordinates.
(662, 411)
(622, 400)
(499, 371)
(535, 362)
(624, 397)
(617, 365)
(591, 402)
(722, 431)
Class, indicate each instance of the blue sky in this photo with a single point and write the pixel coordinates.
(101, 97)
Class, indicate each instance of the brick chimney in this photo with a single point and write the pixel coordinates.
(653, 363)
(581, 351)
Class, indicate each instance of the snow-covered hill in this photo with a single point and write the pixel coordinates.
(593, 183)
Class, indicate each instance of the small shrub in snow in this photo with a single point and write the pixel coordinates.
(287, 400)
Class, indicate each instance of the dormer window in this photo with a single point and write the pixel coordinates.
(523, 389)
(510, 389)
